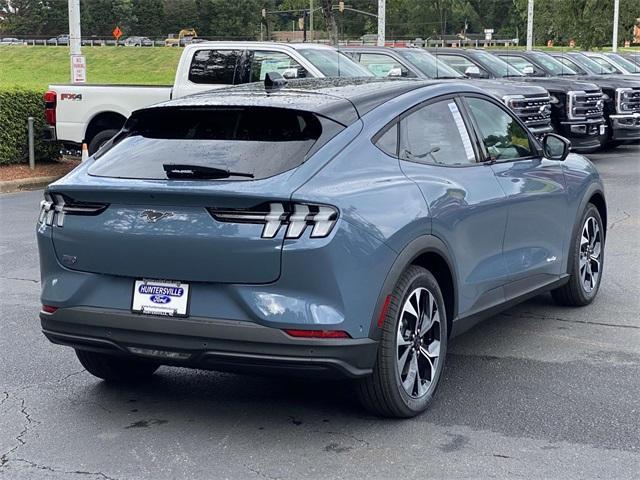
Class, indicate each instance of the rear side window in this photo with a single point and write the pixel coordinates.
(378, 64)
(258, 142)
(436, 134)
(264, 62)
(216, 67)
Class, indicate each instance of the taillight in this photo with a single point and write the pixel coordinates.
(319, 218)
(48, 309)
(50, 101)
(317, 333)
(55, 206)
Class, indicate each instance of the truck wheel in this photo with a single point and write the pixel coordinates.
(412, 349)
(585, 262)
(114, 368)
(100, 139)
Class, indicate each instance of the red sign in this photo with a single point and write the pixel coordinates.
(117, 33)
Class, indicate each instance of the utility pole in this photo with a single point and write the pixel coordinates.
(530, 25)
(381, 22)
(313, 37)
(78, 65)
(616, 15)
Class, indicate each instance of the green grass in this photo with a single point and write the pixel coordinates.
(37, 67)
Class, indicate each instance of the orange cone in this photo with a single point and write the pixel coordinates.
(85, 152)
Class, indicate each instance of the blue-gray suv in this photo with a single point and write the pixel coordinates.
(336, 228)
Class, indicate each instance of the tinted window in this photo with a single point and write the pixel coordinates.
(263, 62)
(552, 65)
(569, 63)
(436, 134)
(257, 140)
(496, 65)
(216, 67)
(521, 63)
(388, 141)
(502, 135)
(460, 64)
(605, 65)
(379, 65)
(428, 64)
(332, 63)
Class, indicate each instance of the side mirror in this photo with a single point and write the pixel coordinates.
(473, 71)
(528, 70)
(555, 147)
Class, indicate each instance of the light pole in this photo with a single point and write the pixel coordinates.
(77, 63)
(381, 22)
(530, 25)
(616, 15)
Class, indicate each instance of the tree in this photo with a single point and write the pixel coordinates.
(330, 21)
(149, 15)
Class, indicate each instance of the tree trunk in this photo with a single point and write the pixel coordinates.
(330, 22)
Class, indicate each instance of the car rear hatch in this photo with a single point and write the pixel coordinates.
(186, 193)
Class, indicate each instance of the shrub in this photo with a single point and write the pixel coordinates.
(16, 105)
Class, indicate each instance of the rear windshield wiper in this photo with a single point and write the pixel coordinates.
(179, 170)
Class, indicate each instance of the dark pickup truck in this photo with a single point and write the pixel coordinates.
(576, 106)
(621, 94)
(627, 127)
(529, 102)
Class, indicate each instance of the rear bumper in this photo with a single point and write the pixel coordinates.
(49, 134)
(625, 127)
(214, 344)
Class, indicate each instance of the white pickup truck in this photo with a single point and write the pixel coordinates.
(92, 114)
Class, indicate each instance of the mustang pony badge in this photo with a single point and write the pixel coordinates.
(153, 216)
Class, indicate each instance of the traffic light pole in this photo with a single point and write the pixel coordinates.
(381, 22)
(77, 63)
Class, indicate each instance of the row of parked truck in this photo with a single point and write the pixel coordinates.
(569, 93)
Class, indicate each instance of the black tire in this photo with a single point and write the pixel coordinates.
(574, 293)
(100, 139)
(114, 368)
(382, 393)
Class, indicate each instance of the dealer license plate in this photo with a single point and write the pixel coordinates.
(160, 297)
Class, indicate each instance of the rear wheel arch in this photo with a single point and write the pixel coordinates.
(103, 121)
(428, 252)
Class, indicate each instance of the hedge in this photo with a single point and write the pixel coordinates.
(16, 105)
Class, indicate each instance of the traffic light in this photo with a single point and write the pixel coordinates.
(341, 6)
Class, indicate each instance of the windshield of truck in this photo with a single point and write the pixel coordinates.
(592, 66)
(496, 65)
(620, 60)
(428, 64)
(332, 63)
(553, 66)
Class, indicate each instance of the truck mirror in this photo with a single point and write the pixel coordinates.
(528, 70)
(473, 71)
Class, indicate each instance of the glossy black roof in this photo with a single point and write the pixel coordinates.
(341, 99)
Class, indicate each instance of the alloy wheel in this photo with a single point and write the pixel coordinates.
(418, 342)
(590, 254)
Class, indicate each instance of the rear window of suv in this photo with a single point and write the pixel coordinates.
(257, 141)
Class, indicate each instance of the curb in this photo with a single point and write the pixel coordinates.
(33, 183)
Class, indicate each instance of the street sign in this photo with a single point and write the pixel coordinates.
(117, 33)
(78, 69)
(488, 33)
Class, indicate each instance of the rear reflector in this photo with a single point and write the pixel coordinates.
(318, 333)
(49, 309)
(383, 312)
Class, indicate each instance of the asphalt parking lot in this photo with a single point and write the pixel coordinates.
(539, 391)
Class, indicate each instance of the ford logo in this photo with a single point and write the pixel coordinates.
(162, 299)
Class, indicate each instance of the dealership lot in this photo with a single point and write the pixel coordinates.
(538, 391)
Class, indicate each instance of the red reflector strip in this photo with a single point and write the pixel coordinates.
(49, 309)
(383, 312)
(318, 333)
